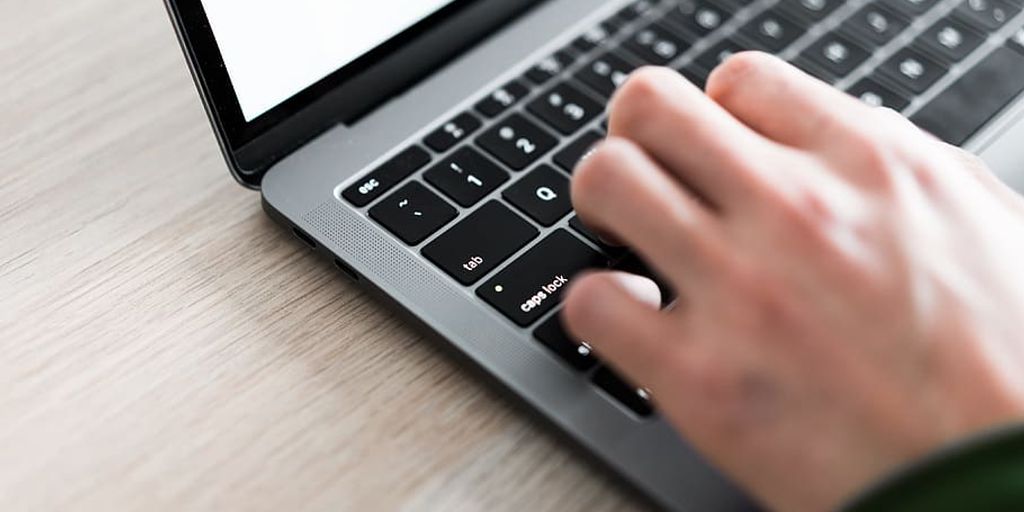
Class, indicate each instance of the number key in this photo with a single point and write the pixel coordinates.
(772, 32)
(499, 101)
(516, 141)
(987, 14)
(452, 132)
(811, 10)
(912, 7)
(549, 67)
(593, 37)
(466, 176)
(836, 54)
(718, 53)
(877, 95)
(951, 39)
(699, 17)
(636, 9)
(877, 23)
(565, 108)
(656, 45)
(605, 73)
(912, 70)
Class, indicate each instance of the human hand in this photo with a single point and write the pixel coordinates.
(851, 289)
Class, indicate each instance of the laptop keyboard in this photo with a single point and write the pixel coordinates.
(486, 193)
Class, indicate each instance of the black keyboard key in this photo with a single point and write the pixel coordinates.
(771, 32)
(605, 74)
(549, 67)
(655, 44)
(808, 66)
(637, 400)
(453, 132)
(381, 179)
(878, 24)
(413, 213)
(836, 54)
(565, 108)
(811, 10)
(552, 334)
(950, 39)
(593, 37)
(543, 194)
(533, 284)
(962, 109)
(615, 23)
(912, 8)
(912, 70)
(989, 15)
(877, 95)
(466, 176)
(636, 9)
(717, 54)
(1017, 40)
(699, 17)
(571, 155)
(499, 101)
(480, 242)
(582, 229)
(695, 74)
(632, 264)
(516, 141)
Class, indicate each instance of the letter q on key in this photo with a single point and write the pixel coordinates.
(546, 194)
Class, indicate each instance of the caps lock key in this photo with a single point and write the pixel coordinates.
(533, 284)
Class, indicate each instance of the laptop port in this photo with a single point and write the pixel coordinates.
(308, 240)
(347, 270)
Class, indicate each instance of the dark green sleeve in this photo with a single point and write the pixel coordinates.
(985, 473)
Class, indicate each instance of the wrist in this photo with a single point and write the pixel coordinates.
(982, 472)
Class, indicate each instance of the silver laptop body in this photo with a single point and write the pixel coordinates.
(304, 175)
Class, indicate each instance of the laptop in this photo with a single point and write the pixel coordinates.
(426, 148)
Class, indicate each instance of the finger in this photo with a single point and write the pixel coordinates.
(695, 138)
(980, 171)
(620, 190)
(783, 103)
(617, 314)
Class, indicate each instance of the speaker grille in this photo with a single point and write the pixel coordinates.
(453, 311)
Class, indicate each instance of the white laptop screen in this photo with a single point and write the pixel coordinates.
(273, 49)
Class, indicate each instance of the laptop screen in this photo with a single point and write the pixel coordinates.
(274, 50)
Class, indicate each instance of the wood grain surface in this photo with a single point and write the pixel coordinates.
(165, 346)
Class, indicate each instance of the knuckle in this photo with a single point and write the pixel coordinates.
(589, 180)
(876, 161)
(734, 73)
(596, 176)
(581, 302)
(641, 96)
(808, 210)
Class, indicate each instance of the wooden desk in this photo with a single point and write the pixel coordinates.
(165, 346)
